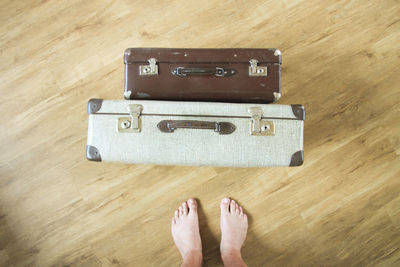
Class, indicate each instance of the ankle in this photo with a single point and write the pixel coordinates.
(192, 258)
(229, 252)
(232, 257)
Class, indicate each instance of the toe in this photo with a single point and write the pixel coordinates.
(185, 208)
(241, 211)
(225, 205)
(237, 209)
(233, 206)
(176, 215)
(192, 205)
(180, 211)
(173, 221)
(245, 218)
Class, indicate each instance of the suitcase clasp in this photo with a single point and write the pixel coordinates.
(130, 124)
(151, 69)
(255, 70)
(258, 126)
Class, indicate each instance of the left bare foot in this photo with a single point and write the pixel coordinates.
(186, 234)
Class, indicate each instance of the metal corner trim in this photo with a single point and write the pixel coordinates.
(128, 51)
(278, 54)
(127, 54)
(94, 105)
(92, 153)
(299, 112)
(297, 159)
(127, 94)
(277, 96)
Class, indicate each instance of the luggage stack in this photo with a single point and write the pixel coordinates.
(198, 107)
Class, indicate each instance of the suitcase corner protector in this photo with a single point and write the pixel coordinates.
(277, 52)
(299, 112)
(277, 96)
(92, 153)
(94, 105)
(297, 159)
(127, 94)
(127, 54)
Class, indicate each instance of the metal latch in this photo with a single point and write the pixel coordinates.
(130, 124)
(255, 70)
(258, 126)
(151, 69)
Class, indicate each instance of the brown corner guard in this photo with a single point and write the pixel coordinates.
(92, 153)
(297, 159)
(94, 105)
(299, 112)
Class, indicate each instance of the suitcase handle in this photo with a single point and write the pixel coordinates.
(219, 72)
(169, 126)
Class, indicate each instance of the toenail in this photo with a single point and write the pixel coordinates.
(225, 200)
(191, 201)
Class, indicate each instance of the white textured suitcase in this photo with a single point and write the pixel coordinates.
(195, 133)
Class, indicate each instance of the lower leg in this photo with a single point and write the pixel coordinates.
(192, 260)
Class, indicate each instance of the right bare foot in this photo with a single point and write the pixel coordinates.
(233, 230)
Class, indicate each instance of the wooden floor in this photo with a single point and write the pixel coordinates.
(341, 59)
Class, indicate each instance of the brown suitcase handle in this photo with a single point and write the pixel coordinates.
(168, 126)
(219, 72)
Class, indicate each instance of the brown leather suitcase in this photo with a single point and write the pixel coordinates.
(219, 75)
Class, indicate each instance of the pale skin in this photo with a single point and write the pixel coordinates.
(186, 233)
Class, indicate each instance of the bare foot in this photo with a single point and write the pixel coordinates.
(233, 230)
(185, 231)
